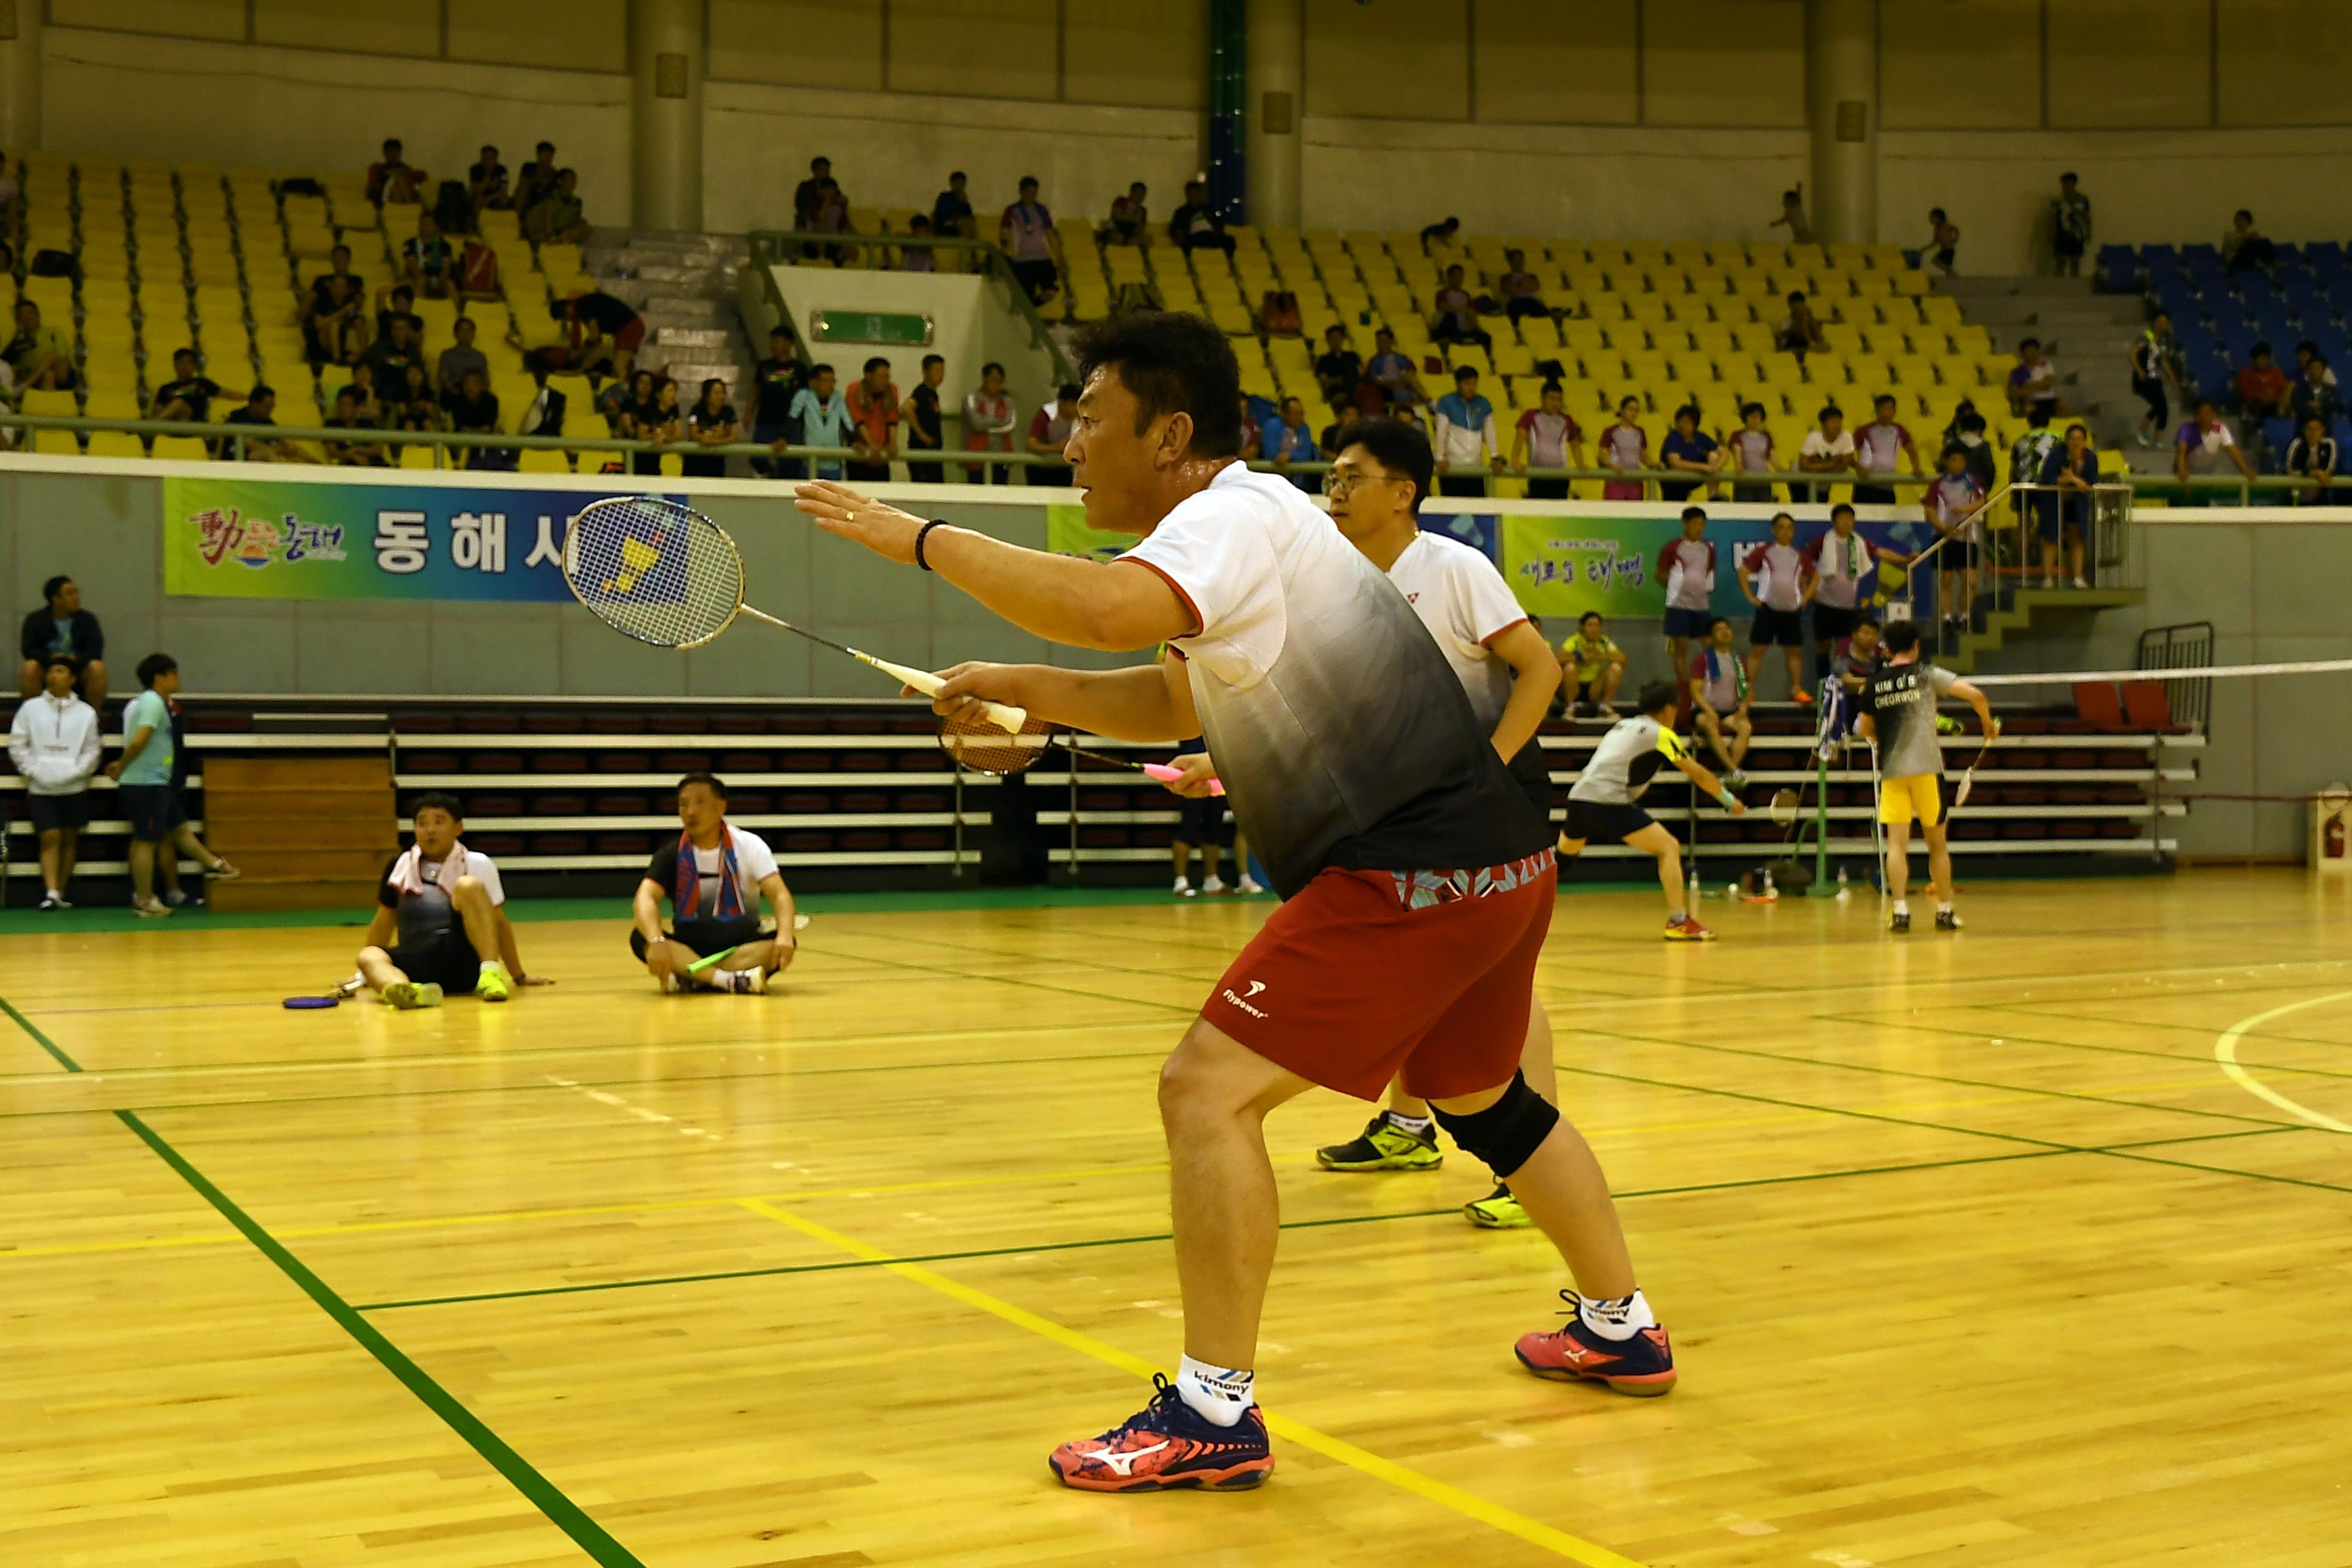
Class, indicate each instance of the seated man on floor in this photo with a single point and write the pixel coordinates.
(714, 877)
(444, 907)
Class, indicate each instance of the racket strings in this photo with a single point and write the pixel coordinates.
(976, 741)
(654, 570)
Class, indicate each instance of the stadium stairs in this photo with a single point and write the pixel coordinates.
(684, 287)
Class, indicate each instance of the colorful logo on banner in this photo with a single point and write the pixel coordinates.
(251, 538)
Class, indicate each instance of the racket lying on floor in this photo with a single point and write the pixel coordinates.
(978, 745)
(661, 572)
(326, 998)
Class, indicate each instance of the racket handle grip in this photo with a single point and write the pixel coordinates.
(1005, 716)
(1167, 774)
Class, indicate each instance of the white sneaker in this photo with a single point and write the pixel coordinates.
(49, 901)
(746, 982)
(150, 906)
(1213, 885)
(1183, 890)
(175, 898)
(1249, 885)
(2080, 584)
(63, 902)
(2049, 582)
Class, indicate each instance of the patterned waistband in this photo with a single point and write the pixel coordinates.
(1427, 890)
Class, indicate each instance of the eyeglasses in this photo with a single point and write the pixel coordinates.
(1337, 483)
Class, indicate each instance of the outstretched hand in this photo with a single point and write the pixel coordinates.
(879, 526)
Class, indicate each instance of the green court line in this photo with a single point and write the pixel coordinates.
(985, 1252)
(561, 1511)
(2137, 1052)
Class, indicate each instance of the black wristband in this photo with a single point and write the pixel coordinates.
(921, 535)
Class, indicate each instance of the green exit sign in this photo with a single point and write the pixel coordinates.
(906, 328)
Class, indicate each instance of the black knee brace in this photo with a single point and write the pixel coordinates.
(1506, 1133)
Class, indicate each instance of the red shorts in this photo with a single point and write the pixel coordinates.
(1368, 974)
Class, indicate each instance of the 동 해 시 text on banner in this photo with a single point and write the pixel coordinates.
(253, 538)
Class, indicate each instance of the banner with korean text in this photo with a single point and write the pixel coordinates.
(253, 538)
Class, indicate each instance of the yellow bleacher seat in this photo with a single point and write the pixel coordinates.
(415, 456)
(559, 259)
(1232, 319)
(118, 402)
(57, 405)
(115, 443)
(186, 449)
(57, 443)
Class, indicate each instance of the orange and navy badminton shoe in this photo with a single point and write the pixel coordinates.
(1168, 1444)
(1642, 1366)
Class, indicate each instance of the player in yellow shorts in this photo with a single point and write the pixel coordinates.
(1898, 715)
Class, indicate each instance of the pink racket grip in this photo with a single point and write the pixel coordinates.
(1167, 774)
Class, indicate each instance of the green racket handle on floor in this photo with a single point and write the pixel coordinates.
(699, 964)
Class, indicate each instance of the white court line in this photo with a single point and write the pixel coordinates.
(2225, 1051)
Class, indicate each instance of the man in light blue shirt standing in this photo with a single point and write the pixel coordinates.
(823, 414)
(1464, 438)
(1287, 438)
(149, 799)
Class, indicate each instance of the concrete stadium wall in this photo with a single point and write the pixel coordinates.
(1638, 117)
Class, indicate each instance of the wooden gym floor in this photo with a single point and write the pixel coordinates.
(1974, 1252)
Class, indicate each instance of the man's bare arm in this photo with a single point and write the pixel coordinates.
(1535, 675)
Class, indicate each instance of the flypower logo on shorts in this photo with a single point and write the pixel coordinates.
(1255, 987)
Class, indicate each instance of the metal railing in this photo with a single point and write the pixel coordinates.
(2010, 562)
(2186, 646)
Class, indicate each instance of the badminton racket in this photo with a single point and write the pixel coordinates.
(711, 960)
(1968, 779)
(1783, 808)
(324, 999)
(980, 745)
(661, 572)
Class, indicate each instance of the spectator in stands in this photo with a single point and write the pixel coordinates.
(461, 358)
(712, 422)
(53, 746)
(2245, 247)
(874, 422)
(394, 349)
(2156, 371)
(1393, 372)
(473, 409)
(353, 454)
(918, 258)
(1687, 576)
(2198, 447)
(1687, 449)
(1953, 507)
(2263, 387)
(393, 178)
(259, 408)
(537, 180)
(361, 387)
(416, 402)
(1049, 432)
(2315, 393)
(41, 356)
(188, 394)
(776, 381)
(605, 331)
(1827, 449)
(62, 629)
(824, 415)
(1338, 368)
(808, 196)
(1624, 445)
(1719, 697)
(1546, 437)
(333, 314)
(1792, 215)
(1876, 447)
(486, 181)
(1782, 584)
(2028, 455)
(2034, 382)
(1591, 666)
(1026, 234)
(1800, 330)
(558, 216)
(1464, 436)
(1252, 430)
(952, 211)
(2304, 353)
(2073, 472)
(1521, 289)
(1287, 437)
(426, 260)
(2070, 227)
(2312, 456)
(1441, 235)
(989, 420)
(1195, 225)
(1943, 247)
(1130, 219)
(1457, 313)
(1751, 453)
(1970, 438)
(440, 926)
(925, 423)
(714, 877)
(659, 421)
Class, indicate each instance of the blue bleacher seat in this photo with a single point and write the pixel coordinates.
(2342, 431)
(2154, 255)
(2195, 255)
(2278, 432)
(2118, 268)
(2211, 375)
(2287, 253)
